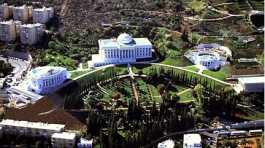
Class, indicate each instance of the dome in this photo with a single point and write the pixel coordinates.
(125, 38)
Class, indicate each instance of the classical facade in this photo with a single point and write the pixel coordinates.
(124, 49)
(31, 33)
(42, 15)
(209, 56)
(7, 31)
(45, 79)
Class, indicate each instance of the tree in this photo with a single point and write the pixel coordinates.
(199, 92)
(161, 88)
(116, 96)
(198, 5)
(195, 38)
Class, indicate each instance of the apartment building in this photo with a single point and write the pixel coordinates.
(31, 33)
(7, 31)
(42, 15)
(34, 129)
(21, 13)
(5, 11)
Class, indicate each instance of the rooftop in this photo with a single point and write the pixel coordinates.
(7, 22)
(252, 79)
(64, 135)
(192, 138)
(166, 144)
(42, 9)
(46, 71)
(110, 43)
(36, 125)
(124, 39)
(34, 113)
(31, 25)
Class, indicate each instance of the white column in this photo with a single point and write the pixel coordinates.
(122, 53)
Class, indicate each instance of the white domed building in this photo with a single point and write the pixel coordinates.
(43, 80)
(122, 50)
(209, 56)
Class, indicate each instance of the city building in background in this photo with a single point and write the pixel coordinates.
(7, 31)
(31, 33)
(5, 11)
(21, 13)
(42, 15)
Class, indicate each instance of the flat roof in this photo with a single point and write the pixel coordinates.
(252, 79)
(64, 135)
(114, 43)
(192, 138)
(36, 125)
(46, 71)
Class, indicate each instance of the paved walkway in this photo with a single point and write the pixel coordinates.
(184, 91)
(228, 15)
(102, 89)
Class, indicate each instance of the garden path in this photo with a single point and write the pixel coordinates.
(182, 92)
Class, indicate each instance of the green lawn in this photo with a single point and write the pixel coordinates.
(186, 96)
(75, 74)
(222, 74)
(255, 115)
(178, 61)
(121, 69)
(192, 68)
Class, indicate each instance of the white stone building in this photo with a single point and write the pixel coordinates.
(34, 129)
(21, 13)
(166, 144)
(84, 143)
(42, 15)
(192, 141)
(45, 79)
(124, 49)
(209, 56)
(31, 33)
(7, 31)
(252, 84)
(5, 11)
(64, 139)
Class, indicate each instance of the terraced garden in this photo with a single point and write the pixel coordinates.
(121, 90)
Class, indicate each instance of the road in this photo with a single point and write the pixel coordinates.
(258, 124)
(19, 66)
